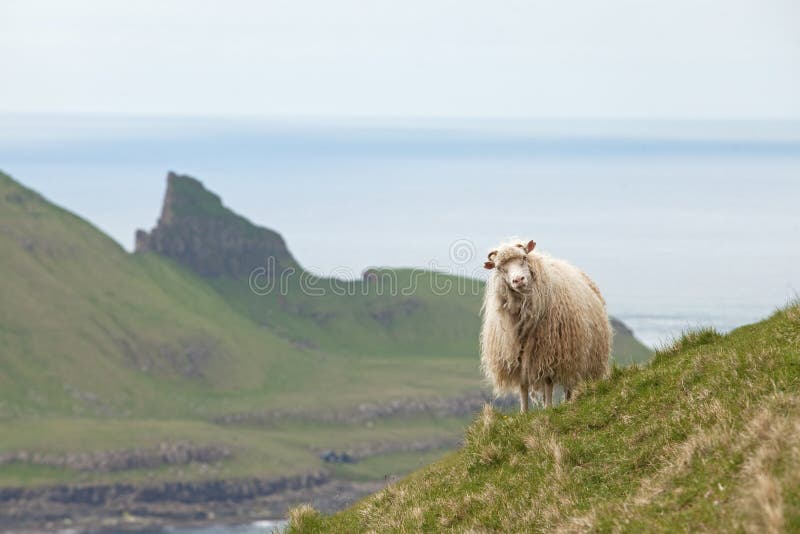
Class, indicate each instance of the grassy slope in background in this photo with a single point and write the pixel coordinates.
(104, 350)
(90, 330)
(704, 438)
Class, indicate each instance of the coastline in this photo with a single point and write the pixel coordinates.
(132, 508)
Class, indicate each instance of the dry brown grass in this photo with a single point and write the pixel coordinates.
(793, 314)
(766, 505)
(488, 416)
(304, 516)
(776, 432)
(577, 524)
(770, 432)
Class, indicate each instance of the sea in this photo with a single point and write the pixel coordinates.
(682, 223)
(256, 527)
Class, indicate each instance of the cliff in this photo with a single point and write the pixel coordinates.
(197, 231)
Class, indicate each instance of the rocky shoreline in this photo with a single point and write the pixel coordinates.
(86, 508)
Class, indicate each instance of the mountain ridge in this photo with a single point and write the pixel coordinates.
(74, 299)
(198, 231)
(373, 321)
(106, 353)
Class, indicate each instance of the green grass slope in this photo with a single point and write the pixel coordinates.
(397, 313)
(87, 329)
(102, 350)
(364, 319)
(703, 439)
(627, 350)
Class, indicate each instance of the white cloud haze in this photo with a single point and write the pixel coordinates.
(535, 58)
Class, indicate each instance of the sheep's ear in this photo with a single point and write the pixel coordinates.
(488, 265)
(530, 246)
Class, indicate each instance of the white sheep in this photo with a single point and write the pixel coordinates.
(544, 323)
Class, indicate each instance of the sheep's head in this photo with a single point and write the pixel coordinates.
(510, 261)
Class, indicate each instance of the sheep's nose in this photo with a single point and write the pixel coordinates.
(518, 281)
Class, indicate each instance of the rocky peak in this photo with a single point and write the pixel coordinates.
(619, 327)
(198, 231)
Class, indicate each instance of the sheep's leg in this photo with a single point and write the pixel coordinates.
(523, 398)
(538, 397)
(567, 394)
(548, 393)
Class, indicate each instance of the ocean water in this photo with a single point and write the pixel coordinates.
(681, 223)
(257, 527)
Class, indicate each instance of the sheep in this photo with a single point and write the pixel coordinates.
(544, 322)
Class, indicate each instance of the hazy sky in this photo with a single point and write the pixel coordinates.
(565, 58)
(677, 227)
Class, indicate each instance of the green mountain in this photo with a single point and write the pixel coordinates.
(107, 356)
(382, 315)
(389, 312)
(702, 439)
(197, 231)
(88, 329)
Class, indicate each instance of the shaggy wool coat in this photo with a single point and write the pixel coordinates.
(557, 329)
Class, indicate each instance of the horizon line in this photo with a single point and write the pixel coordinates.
(282, 117)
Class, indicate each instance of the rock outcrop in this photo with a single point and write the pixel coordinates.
(620, 328)
(132, 507)
(196, 230)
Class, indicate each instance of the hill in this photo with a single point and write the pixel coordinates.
(90, 330)
(389, 312)
(165, 367)
(385, 317)
(702, 439)
(198, 231)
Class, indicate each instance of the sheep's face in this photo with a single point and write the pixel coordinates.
(511, 263)
(516, 273)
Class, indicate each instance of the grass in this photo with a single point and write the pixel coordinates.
(629, 351)
(283, 448)
(15, 475)
(89, 330)
(703, 439)
(387, 466)
(102, 350)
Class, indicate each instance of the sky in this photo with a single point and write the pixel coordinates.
(411, 58)
(681, 223)
(410, 123)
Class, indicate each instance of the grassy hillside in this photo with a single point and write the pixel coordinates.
(102, 350)
(90, 330)
(366, 320)
(703, 439)
(87, 329)
(394, 313)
